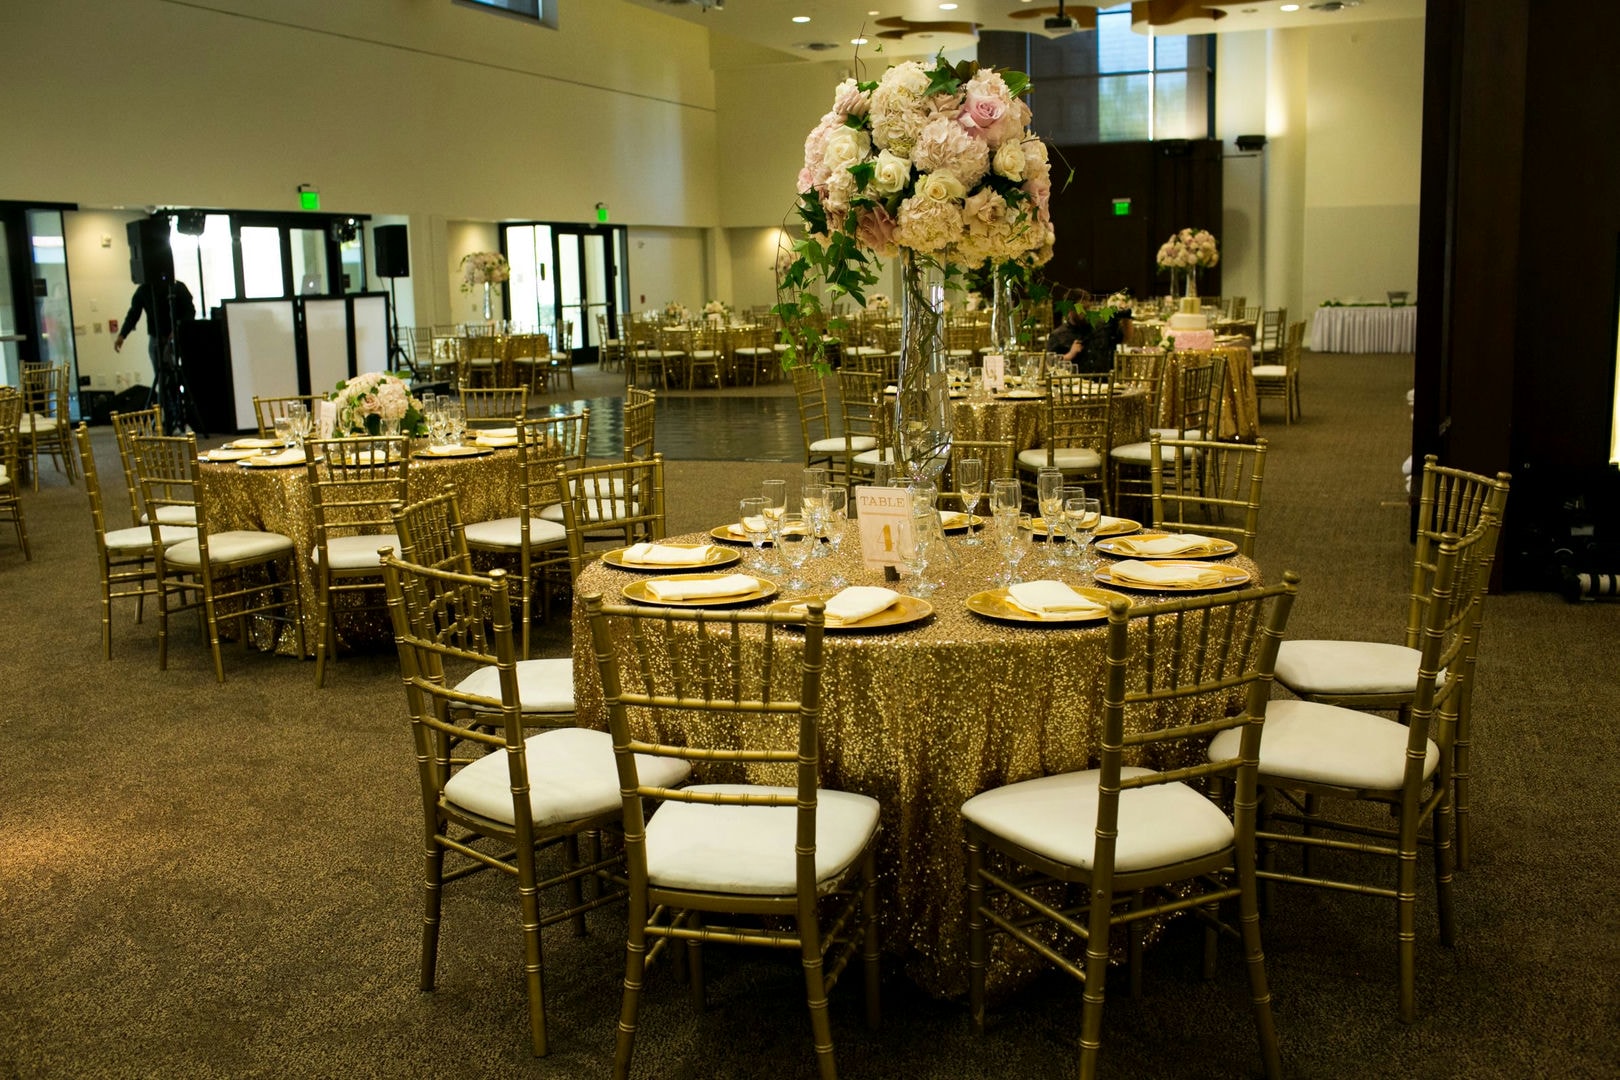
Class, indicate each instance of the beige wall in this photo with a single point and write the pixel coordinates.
(101, 291)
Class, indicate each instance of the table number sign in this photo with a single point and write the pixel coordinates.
(884, 516)
(995, 373)
(326, 418)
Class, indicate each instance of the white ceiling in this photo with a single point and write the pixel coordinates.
(769, 22)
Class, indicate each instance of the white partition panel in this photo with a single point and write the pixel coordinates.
(264, 358)
(371, 333)
(326, 329)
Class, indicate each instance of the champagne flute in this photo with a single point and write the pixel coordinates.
(836, 516)
(751, 516)
(1012, 527)
(1049, 499)
(814, 505)
(970, 483)
(924, 523)
(774, 493)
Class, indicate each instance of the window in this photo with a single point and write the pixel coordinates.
(531, 11)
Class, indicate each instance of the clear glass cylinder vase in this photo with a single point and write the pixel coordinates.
(923, 415)
(489, 307)
(1003, 317)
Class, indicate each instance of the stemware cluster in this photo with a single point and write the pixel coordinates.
(446, 420)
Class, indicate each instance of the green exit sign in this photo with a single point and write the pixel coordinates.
(602, 213)
(1122, 208)
(309, 200)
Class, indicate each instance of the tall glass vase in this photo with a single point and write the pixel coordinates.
(489, 308)
(1191, 274)
(1003, 317)
(923, 414)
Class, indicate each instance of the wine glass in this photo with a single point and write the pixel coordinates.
(284, 434)
(455, 422)
(836, 517)
(1081, 516)
(774, 493)
(1012, 530)
(1005, 494)
(751, 516)
(795, 538)
(1049, 499)
(970, 483)
(813, 476)
(924, 529)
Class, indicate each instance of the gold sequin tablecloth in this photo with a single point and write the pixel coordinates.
(1240, 403)
(278, 500)
(923, 718)
(1023, 420)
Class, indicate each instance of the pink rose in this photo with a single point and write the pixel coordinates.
(850, 100)
(875, 230)
(981, 113)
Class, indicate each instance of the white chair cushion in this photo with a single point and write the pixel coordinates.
(1067, 458)
(874, 457)
(1347, 667)
(1056, 816)
(237, 545)
(544, 686)
(1328, 744)
(1177, 433)
(173, 515)
(572, 775)
(508, 532)
(139, 537)
(843, 442)
(749, 849)
(5, 477)
(1269, 371)
(554, 512)
(36, 424)
(604, 485)
(357, 552)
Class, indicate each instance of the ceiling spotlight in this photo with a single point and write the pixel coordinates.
(947, 7)
(857, 41)
(1285, 7)
(806, 18)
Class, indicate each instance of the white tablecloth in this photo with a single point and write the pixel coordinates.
(1364, 329)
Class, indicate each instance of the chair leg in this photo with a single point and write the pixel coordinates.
(211, 623)
(1255, 958)
(1460, 778)
(977, 946)
(1406, 911)
(533, 974)
(635, 972)
(694, 962)
(325, 633)
(1096, 984)
(1441, 827)
(815, 992)
(432, 903)
(871, 956)
(576, 889)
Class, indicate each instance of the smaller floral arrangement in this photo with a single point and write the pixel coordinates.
(877, 302)
(717, 309)
(482, 268)
(366, 403)
(975, 301)
(1188, 249)
(675, 311)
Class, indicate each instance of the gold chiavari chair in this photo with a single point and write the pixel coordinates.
(1079, 415)
(529, 356)
(1133, 463)
(1281, 381)
(609, 346)
(821, 445)
(43, 426)
(235, 570)
(1211, 488)
(862, 409)
(618, 504)
(561, 360)
(495, 406)
(267, 409)
(11, 409)
(537, 544)
(484, 359)
(756, 355)
(124, 555)
(1315, 754)
(447, 358)
(760, 837)
(354, 484)
(640, 424)
(127, 427)
(1270, 335)
(1379, 676)
(997, 454)
(431, 533)
(706, 360)
(1135, 843)
(526, 794)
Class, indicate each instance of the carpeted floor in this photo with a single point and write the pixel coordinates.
(201, 880)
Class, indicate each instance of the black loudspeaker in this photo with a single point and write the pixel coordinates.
(151, 260)
(393, 251)
(99, 405)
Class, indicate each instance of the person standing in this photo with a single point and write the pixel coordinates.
(159, 334)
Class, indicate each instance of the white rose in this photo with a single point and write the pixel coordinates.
(891, 173)
(1009, 160)
(846, 147)
(940, 186)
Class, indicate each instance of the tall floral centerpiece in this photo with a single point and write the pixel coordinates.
(486, 268)
(1187, 251)
(377, 403)
(935, 165)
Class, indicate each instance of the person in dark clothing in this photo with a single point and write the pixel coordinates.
(155, 306)
(1089, 345)
(1067, 339)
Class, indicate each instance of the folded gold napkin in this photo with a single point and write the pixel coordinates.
(701, 588)
(498, 433)
(954, 519)
(1051, 599)
(855, 603)
(1161, 546)
(493, 441)
(1106, 522)
(666, 555)
(1021, 394)
(1188, 575)
(254, 444)
(294, 456)
(736, 527)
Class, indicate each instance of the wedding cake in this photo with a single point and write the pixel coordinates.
(1190, 327)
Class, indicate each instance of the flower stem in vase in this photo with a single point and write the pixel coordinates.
(1003, 332)
(489, 310)
(923, 414)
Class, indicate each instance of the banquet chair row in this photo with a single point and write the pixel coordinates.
(11, 409)
(1209, 488)
(43, 426)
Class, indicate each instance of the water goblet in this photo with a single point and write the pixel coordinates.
(813, 476)
(836, 516)
(284, 435)
(1081, 516)
(751, 516)
(794, 538)
(924, 546)
(455, 422)
(299, 420)
(977, 391)
(1005, 494)
(1012, 530)
(970, 483)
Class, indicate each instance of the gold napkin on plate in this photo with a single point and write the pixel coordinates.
(1021, 394)
(253, 444)
(1052, 600)
(701, 588)
(954, 519)
(494, 441)
(666, 555)
(295, 456)
(1162, 546)
(736, 527)
(855, 603)
(1189, 575)
(498, 432)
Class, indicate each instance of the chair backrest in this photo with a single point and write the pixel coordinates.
(861, 405)
(547, 449)
(267, 409)
(640, 422)
(1208, 487)
(621, 503)
(355, 483)
(92, 482)
(665, 672)
(11, 410)
(1453, 501)
(44, 390)
(1079, 409)
(442, 617)
(431, 533)
(495, 406)
(127, 426)
(1173, 676)
(810, 391)
(998, 456)
(1143, 369)
(171, 487)
(1190, 410)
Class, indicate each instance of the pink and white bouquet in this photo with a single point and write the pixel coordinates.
(367, 404)
(675, 311)
(1187, 249)
(716, 310)
(482, 268)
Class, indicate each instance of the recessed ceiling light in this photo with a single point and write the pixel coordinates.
(806, 18)
(857, 41)
(947, 7)
(1290, 7)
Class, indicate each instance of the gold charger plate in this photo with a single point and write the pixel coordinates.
(636, 592)
(1117, 527)
(444, 452)
(716, 557)
(995, 604)
(1214, 547)
(722, 532)
(903, 612)
(1231, 577)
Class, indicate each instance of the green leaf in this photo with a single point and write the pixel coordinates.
(866, 87)
(1017, 82)
(863, 174)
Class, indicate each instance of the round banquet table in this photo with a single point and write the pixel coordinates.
(922, 718)
(278, 500)
(1240, 402)
(1023, 420)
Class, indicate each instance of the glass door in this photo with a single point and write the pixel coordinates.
(563, 277)
(53, 310)
(10, 338)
